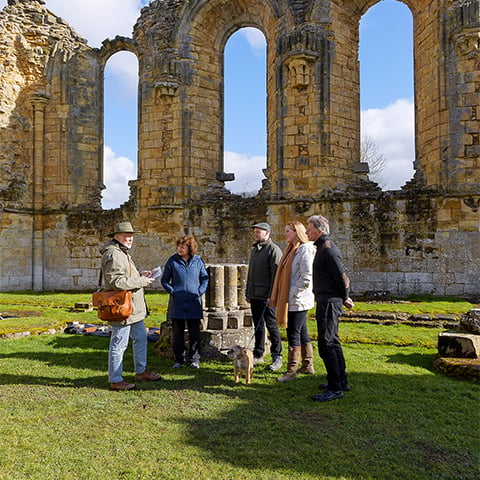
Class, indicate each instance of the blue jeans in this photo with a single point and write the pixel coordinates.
(118, 345)
(268, 320)
(329, 346)
(297, 332)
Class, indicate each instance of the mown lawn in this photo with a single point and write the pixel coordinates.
(402, 419)
(58, 420)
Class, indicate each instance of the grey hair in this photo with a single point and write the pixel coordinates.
(320, 223)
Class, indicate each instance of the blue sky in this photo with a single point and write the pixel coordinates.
(386, 92)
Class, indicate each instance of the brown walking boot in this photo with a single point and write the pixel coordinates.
(122, 386)
(293, 359)
(147, 376)
(307, 359)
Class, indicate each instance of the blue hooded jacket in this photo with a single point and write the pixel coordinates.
(186, 282)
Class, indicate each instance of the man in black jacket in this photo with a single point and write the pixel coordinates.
(331, 287)
(262, 267)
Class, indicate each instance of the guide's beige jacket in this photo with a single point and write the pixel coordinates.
(119, 273)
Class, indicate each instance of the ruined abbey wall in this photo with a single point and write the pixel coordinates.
(423, 238)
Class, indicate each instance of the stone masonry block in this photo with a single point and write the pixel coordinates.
(459, 345)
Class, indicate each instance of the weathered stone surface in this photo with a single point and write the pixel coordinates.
(459, 368)
(421, 239)
(470, 322)
(459, 345)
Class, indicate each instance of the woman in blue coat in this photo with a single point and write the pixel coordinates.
(185, 278)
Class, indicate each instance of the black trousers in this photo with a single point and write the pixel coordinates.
(269, 320)
(297, 333)
(329, 346)
(179, 349)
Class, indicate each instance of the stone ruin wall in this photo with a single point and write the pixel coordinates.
(423, 238)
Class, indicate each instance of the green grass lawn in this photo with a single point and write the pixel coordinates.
(37, 312)
(402, 419)
(58, 420)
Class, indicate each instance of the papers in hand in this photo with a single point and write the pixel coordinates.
(156, 272)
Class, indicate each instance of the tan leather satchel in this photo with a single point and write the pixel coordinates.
(112, 305)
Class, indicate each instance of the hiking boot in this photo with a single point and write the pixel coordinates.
(147, 376)
(122, 386)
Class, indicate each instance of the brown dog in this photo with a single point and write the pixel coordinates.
(242, 363)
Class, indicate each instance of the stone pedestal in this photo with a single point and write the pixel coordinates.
(227, 317)
(459, 351)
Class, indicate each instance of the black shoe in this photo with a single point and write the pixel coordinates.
(345, 387)
(195, 365)
(327, 395)
(177, 365)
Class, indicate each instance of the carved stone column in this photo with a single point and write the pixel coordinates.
(216, 288)
(231, 288)
(39, 102)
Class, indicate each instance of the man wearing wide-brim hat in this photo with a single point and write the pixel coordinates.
(119, 273)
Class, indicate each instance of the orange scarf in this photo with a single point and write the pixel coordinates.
(281, 285)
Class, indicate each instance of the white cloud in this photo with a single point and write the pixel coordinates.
(116, 174)
(248, 172)
(392, 129)
(255, 39)
(97, 20)
(123, 66)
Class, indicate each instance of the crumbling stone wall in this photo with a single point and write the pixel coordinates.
(423, 238)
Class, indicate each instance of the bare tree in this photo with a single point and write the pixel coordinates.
(376, 160)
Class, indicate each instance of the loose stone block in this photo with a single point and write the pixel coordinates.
(459, 345)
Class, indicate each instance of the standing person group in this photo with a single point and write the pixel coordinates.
(302, 268)
(280, 288)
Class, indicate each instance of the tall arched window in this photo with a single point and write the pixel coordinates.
(245, 137)
(386, 93)
(120, 128)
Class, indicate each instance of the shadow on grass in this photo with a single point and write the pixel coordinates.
(382, 429)
(91, 381)
(390, 426)
(413, 359)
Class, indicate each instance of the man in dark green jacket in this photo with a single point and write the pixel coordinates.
(262, 267)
